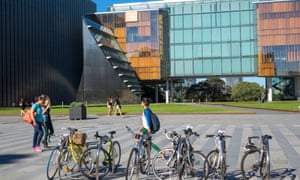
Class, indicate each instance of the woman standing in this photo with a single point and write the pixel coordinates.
(37, 117)
(48, 126)
(118, 107)
(109, 104)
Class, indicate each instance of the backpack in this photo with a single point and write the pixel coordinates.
(27, 116)
(154, 124)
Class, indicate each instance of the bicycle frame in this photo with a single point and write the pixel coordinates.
(264, 150)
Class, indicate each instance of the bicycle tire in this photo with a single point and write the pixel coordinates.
(249, 164)
(52, 164)
(265, 168)
(209, 166)
(144, 160)
(67, 167)
(115, 155)
(193, 166)
(165, 164)
(132, 166)
(89, 161)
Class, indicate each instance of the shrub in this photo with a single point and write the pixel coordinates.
(246, 91)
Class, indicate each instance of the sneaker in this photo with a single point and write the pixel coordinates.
(38, 149)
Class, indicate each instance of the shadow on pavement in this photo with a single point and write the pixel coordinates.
(12, 158)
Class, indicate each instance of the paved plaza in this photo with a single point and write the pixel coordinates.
(17, 161)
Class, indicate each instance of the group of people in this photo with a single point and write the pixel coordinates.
(42, 123)
(114, 106)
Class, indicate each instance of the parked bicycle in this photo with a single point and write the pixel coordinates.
(256, 160)
(139, 157)
(215, 165)
(64, 158)
(96, 161)
(180, 160)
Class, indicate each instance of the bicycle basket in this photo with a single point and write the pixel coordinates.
(79, 138)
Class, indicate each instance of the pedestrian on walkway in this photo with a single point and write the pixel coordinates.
(22, 105)
(118, 106)
(48, 126)
(37, 117)
(110, 106)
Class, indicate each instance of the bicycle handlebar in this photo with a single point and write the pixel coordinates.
(218, 135)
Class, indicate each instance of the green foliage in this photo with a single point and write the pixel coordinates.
(246, 91)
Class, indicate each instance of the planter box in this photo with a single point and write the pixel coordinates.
(77, 113)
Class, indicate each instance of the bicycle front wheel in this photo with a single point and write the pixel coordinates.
(94, 164)
(132, 171)
(165, 164)
(214, 168)
(249, 164)
(53, 163)
(192, 166)
(67, 167)
(265, 167)
(115, 155)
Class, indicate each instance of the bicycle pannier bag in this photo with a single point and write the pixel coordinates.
(79, 138)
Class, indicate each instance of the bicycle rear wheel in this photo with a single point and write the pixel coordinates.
(67, 167)
(165, 164)
(53, 163)
(93, 164)
(212, 168)
(192, 166)
(249, 164)
(132, 170)
(115, 155)
(144, 159)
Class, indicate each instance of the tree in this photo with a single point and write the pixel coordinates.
(246, 91)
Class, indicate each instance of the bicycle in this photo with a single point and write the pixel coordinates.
(65, 156)
(215, 164)
(179, 160)
(90, 160)
(256, 159)
(139, 157)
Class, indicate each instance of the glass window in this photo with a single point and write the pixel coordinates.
(245, 33)
(178, 36)
(226, 66)
(172, 22)
(226, 49)
(172, 40)
(206, 20)
(178, 9)
(188, 36)
(206, 50)
(178, 21)
(188, 8)
(236, 66)
(197, 35)
(179, 65)
(197, 51)
(246, 65)
(235, 6)
(188, 21)
(246, 49)
(188, 67)
(172, 52)
(225, 19)
(178, 52)
(235, 18)
(216, 35)
(245, 17)
(197, 8)
(206, 35)
(216, 50)
(188, 51)
(206, 7)
(225, 6)
(235, 34)
(217, 66)
(235, 49)
(207, 64)
(197, 20)
(173, 73)
(244, 5)
(198, 67)
(225, 34)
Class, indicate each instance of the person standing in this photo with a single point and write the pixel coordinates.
(48, 126)
(37, 117)
(118, 107)
(146, 119)
(22, 105)
(110, 107)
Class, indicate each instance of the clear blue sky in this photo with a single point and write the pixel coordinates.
(103, 4)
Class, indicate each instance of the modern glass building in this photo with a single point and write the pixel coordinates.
(41, 49)
(232, 38)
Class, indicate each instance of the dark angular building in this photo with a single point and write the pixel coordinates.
(41, 49)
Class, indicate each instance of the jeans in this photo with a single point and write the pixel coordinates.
(37, 134)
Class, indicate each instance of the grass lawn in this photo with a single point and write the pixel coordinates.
(135, 109)
(277, 105)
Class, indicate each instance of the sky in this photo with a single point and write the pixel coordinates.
(102, 7)
(103, 4)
